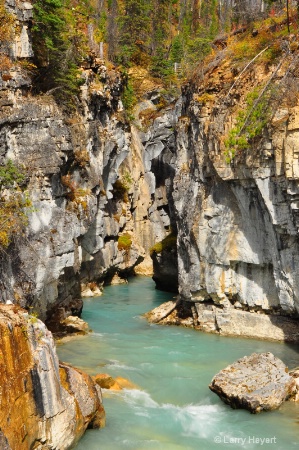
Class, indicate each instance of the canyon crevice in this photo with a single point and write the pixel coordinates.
(107, 191)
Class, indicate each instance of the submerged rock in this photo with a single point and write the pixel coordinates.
(259, 382)
(105, 381)
(117, 280)
(124, 383)
(42, 405)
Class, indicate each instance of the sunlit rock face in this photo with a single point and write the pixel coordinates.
(43, 404)
(91, 176)
(78, 211)
(237, 220)
(21, 46)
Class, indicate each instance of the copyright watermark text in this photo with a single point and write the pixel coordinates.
(245, 440)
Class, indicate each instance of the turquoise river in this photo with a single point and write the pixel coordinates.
(172, 408)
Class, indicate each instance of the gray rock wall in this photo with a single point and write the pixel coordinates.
(237, 222)
(21, 46)
(77, 214)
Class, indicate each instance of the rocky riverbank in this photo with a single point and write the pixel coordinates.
(96, 184)
(104, 191)
(225, 321)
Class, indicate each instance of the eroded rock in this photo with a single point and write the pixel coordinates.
(259, 382)
(91, 290)
(42, 405)
(237, 217)
(160, 312)
(73, 324)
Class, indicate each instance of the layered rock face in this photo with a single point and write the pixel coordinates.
(65, 167)
(43, 404)
(237, 221)
(91, 178)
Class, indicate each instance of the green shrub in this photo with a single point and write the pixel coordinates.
(124, 242)
(14, 204)
(129, 99)
(250, 123)
(10, 175)
(167, 243)
(161, 67)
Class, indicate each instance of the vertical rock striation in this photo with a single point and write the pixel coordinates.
(91, 179)
(237, 221)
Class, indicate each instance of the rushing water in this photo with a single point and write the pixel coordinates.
(172, 408)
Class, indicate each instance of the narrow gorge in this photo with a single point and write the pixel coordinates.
(196, 184)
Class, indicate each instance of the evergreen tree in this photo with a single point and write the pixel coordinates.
(58, 48)
(134, 31)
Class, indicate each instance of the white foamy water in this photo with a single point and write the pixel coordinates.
(118, 365)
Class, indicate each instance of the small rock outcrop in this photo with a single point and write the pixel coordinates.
(295, 374)
(259, 382)
(42, 404)
(161, 312)
(75, 325)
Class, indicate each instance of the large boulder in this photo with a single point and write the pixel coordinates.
(259, 382)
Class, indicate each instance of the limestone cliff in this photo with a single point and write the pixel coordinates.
(104, 192)
(43, 404)
(236, 208)
(91, 177)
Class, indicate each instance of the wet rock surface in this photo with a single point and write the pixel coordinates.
(105, 381)
(259, 382)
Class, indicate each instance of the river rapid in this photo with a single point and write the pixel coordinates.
(171, 407)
